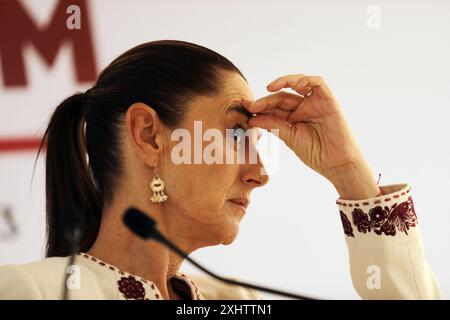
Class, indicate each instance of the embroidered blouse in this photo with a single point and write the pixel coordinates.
(387, 261)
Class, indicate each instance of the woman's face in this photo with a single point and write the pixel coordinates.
(202, 205)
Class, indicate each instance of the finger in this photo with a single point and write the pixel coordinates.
(285, 81)
(299, 83)
(279, 113)
(269, 122)
(282, 100)
(290, 77)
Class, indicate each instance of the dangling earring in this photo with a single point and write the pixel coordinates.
(157, 186)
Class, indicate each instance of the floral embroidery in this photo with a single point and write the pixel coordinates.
(382, 220)
(348, 230)
(377, 216)
(361, 221)
(131, 288)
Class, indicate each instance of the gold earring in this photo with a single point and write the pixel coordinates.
(157, 185)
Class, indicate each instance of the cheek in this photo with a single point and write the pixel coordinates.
(201, 187)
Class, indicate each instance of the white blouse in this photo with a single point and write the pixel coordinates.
(387, 261)
(92, 279)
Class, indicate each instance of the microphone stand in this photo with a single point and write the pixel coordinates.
(144, 226)
(73, 250)
(70, 225)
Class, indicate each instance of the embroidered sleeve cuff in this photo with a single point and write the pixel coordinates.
(386, 254)
(382, 219)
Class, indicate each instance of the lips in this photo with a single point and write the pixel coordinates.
(240, 201)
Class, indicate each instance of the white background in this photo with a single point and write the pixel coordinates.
(393, 83)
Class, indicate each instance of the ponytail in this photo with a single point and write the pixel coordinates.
(68, 182)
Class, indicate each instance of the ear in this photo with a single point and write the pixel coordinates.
(144, 130)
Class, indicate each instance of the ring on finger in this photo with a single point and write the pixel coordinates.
(306, 95)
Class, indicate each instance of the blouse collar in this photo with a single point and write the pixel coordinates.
(132, 287)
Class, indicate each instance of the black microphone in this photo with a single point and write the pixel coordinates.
(70, 226)
(145, 227)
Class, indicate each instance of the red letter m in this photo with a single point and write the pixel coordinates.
(17, 29)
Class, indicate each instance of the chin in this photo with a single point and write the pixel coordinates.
(231, 235)
(225, 231)
(228, 241)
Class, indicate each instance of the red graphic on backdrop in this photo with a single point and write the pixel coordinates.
(18, 29)
(20, 144)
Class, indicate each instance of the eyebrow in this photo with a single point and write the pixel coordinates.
(240, 109)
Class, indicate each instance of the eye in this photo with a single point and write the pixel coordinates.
(238, 134)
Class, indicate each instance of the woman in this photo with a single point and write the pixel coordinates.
(105, 146)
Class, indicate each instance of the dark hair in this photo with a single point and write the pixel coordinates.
(82, 140)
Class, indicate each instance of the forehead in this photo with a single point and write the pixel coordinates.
(215, 111)
(234, 86)
(232, 89)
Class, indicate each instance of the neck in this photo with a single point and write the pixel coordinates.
(150, 260)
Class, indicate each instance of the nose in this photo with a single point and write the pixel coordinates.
(255, 174)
